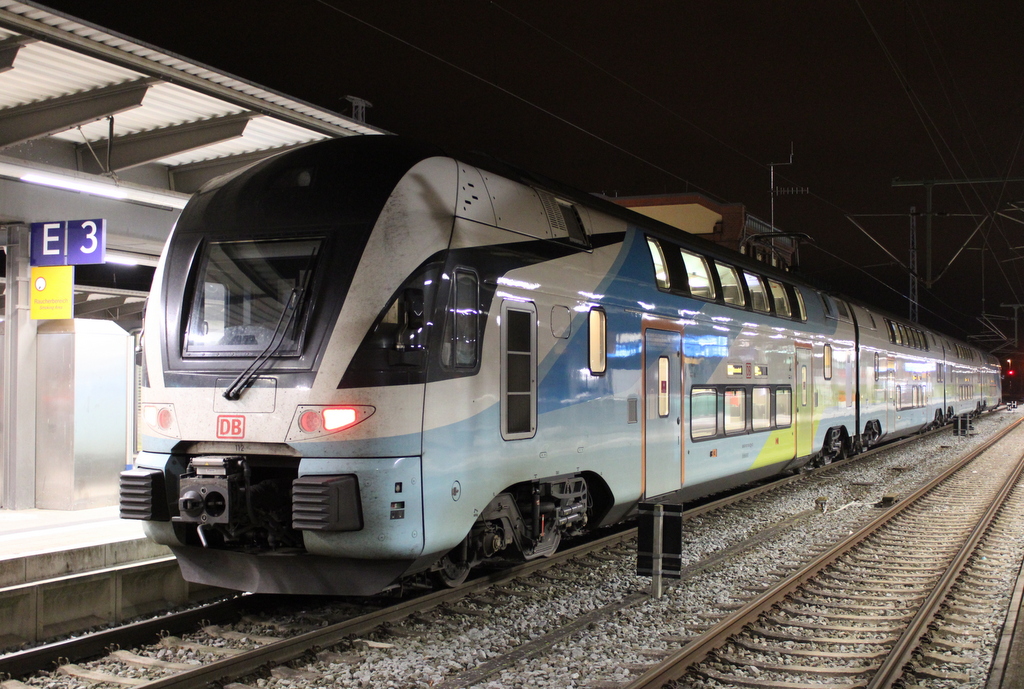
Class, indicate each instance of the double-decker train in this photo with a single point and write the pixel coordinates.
(365, 359)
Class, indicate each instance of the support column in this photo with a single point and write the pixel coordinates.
(18, 415)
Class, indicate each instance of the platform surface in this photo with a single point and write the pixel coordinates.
(37, 545)
(31, 532)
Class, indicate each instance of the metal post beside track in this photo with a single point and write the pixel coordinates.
(659, 543)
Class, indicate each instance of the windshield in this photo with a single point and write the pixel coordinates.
(241, 292)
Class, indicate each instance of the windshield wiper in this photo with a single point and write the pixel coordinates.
(246, 377)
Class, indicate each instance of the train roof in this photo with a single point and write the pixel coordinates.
(377, 163)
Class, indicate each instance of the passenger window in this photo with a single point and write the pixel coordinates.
(783, 407)
(660, 267)
(698, 275)
(732, 292)
(703, 412)
(758, 296)
(801, 312)
(761, 408)
(598, 341)
(827, 361)
(735, 410)
(780, 299)
(843, 311)
(830, 311)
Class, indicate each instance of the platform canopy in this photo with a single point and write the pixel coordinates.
(82, 105)
(97, 125)
(94, 124)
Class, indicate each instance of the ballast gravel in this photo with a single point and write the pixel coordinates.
(432, 649)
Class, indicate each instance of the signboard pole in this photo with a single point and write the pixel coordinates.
(17, 448)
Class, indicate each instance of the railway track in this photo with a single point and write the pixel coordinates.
(242, 644)
(858, 614)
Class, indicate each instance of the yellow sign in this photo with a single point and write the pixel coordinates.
(53, 292)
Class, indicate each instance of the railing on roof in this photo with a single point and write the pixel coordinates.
(757, 241)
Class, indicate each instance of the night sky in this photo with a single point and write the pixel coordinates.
(661, 97)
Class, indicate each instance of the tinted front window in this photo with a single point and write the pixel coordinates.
(246, 293)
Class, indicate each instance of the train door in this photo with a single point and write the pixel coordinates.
(804, 402)
(663, 414)
(890, 395)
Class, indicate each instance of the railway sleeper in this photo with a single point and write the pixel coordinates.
(921, 671)
(809, 653)
(840, 616)
(737, 681)
(824, 640)
(841, 603)
(795, 667)
(782, 622)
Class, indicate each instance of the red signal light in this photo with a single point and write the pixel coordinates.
(310, 421)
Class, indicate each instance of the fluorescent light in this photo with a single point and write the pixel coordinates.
(121, 260)
(87, 187)
(129, 259)
(50, 176)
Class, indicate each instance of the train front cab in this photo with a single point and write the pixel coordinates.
(305, 505)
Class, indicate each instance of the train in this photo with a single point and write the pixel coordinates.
(369, 362)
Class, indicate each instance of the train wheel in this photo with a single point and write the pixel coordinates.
(450, 573)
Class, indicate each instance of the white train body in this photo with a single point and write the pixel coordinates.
(365, 360)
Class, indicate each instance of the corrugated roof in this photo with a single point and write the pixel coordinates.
(72, 57)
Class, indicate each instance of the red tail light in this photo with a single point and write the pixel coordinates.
(160, 417)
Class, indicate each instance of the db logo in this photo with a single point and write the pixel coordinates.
(232, 427)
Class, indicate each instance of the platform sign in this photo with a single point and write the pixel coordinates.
(52, 293)
(68, 243)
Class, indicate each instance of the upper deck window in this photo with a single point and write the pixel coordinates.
(660, 268)
(844, 312)
(801, 310)
(732, 292)
(780, 299)
(251, 296)
(758, 295)
(830, 310)
(698, 275)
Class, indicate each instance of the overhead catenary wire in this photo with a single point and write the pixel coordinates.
(514, 95)
(933, 131)
(929, 123)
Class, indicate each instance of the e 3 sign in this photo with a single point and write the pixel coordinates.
(68, 243)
